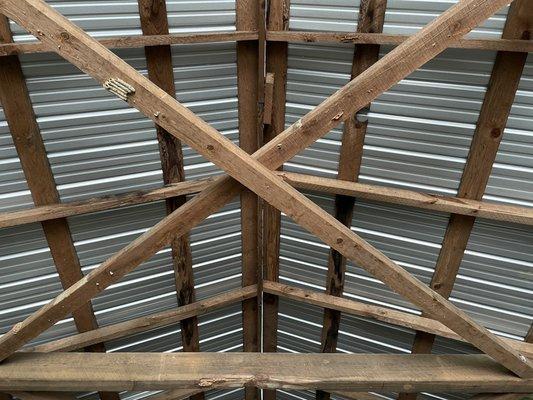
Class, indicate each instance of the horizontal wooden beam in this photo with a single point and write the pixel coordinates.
(435, 202)
(124, 42)
(354, 372)
(55, 211)
(521, 46)
(384, 314)
(127, 42)
(146, 323)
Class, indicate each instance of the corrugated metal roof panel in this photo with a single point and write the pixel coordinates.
(404, 17)
(121, 17)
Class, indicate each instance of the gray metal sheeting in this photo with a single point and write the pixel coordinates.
(418, 138)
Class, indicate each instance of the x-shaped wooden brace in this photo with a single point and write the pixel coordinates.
(254, 172)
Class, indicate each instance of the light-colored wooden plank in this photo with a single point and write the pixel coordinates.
(154, 21)
(127, 42)
(371, 20)
(63, 210)
(78, 48)
(411, 198)
(146, 323)
(354, 372)
(383, 314)
(394, 40)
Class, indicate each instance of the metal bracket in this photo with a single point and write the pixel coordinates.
(119, 88)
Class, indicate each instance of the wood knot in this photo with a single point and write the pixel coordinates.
(64, 36)
(495, 133)
(210, 147)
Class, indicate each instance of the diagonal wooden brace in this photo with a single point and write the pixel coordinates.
(253, 172)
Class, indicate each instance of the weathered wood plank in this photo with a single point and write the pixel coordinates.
(154, 21)
(176, 394)
(77, 47)
(383, 314)
(434, 202)
(371, 20)
(247, 18)
(146, 323)
(56, 211)
(127, 42)
(276, 66)
(30, 148)
(354, 372)
(427, 201)
(394, 40)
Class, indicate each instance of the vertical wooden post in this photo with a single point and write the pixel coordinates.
(30, 148)
(247, 13)
(154, 21)
(491, 124)
(276, 64)
(371, 20)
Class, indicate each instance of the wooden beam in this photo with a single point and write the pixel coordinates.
(253, 172)
(411, 198)
(394, 40)
(128, 42)
(146, 323)
(504, 81)
(154, 21)
(354, 372)
(56, 211)
(247, 18)
(371, 20)
(30, 148)
(427, 201)
(276, 66)
(383, 314)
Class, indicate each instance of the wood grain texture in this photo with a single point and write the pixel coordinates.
(354, 372)
(56, 211)
(30, 148)
(154, 21)
(371, 20)
(128, 42)
(43, 396)
(276, 66)
(394, 40)
(145, 323)
(499, 98)
(383, 314)
(427, 201)
(175, 394)
(247, 18)
(254, 172)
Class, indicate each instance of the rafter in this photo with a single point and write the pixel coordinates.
(87, 54)
(154, 21)
(371, 20)
(354, 372)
